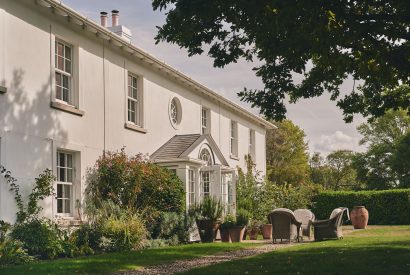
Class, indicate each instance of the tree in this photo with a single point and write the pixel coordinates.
(287, 154)
(334, 172)
(323, 41)
(386, 140)
(341, 170)
(401, 160)
(319, 171)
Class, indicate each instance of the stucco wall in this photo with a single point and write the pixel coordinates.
(31, 131)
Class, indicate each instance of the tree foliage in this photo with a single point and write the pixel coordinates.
(381, 166)
(323, 41)
(343, 175)
(287, 154)
(335, 172)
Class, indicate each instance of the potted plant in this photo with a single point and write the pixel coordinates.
(208, 214)
(242, 220)
(254, 229)
(267, 231)
(228, 223)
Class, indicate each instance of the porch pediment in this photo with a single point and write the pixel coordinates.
(189, 147)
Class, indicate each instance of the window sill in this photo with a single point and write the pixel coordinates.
(135, 128)
(234, 157)
(66, 108)
(3, 90)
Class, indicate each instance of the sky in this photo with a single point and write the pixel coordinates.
(320, 118)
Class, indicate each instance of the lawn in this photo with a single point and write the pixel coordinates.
(111, 262)
(377, 250)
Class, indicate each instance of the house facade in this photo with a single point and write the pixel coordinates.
(71, 88)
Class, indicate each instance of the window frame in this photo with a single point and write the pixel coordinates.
(252, 145)
(176, 103)
(233, 139)
(205, 120)
(71, 184)
(210, 160)
(191, 187)
(138, 100)
(70, 75)
(205, 183)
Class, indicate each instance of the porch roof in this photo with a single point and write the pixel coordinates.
(179, 146)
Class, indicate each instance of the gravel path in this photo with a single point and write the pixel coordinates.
(185, 265)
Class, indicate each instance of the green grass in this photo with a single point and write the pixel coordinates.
(112, 262)
(377, 250)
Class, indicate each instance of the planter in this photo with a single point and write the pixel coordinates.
(359, 217)
(207, 230)
(236, 233)
(245, 233)
(267, 231)
(225, 238)
(253, 234)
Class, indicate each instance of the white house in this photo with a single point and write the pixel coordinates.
(71, 88)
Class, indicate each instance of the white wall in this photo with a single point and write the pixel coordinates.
(33, 131)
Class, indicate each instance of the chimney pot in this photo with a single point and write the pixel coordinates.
(104, 19)
(115, 18)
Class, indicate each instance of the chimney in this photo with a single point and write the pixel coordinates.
(115, 18)
(104, 19)
(118, 29)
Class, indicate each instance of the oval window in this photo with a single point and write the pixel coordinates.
(175, 112)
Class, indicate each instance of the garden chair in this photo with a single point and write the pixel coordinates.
(284, 225)
(306, 217)
(332, 227)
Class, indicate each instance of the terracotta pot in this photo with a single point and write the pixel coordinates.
(253, 234)
(267, 231)
(359, 217)
(207, 230)
(225, 235)
(245, 233)
(236, 233)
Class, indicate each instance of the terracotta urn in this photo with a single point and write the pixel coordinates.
(225, 235)
(253, 233)
(359, 217)
(267, 231)
(236, 233)
(207, 230)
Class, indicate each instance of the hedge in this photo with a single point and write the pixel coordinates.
(385, 207)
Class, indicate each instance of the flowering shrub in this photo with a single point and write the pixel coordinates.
(134, 184)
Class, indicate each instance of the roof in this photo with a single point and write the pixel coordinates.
(74, 17)
(174, 147)
(180, 146)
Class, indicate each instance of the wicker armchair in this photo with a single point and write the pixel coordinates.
(306, 217)
(332, 227)
(284, 225)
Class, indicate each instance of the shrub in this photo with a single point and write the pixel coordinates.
(13, 253)
(125, 232)
(136, 184)
(242, 217)
(114, 228)
(41, 238)
(385, 207)
(174, 227)
(87, 238)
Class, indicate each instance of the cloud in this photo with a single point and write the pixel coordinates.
(336, 141)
